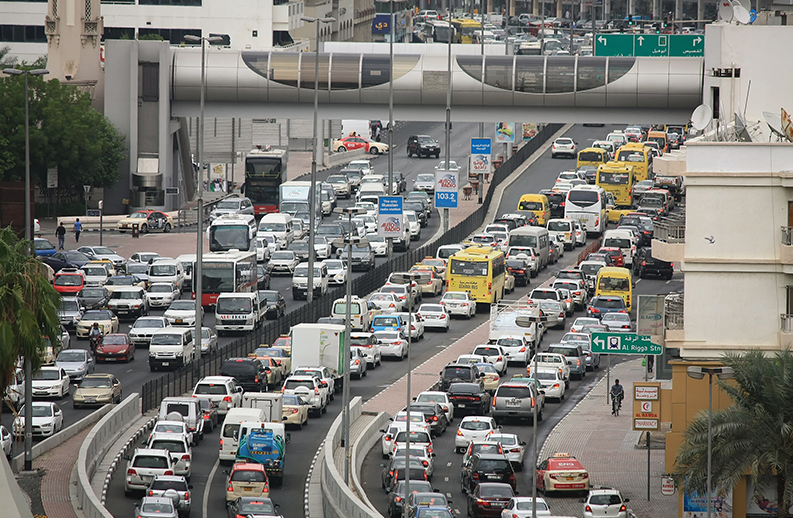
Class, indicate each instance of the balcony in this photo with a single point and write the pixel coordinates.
(674, 323)
(786, 250)
(785, 330)
(669, 239)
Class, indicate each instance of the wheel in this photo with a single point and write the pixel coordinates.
(144, 228)
(342, 149)
(167, 228)
(409, 154)
(374, 151)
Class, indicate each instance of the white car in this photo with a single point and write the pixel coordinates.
(172, 427)
(552, 382)
(370, 208)
(310, 388)
(103, 253)
(365, 166)
(605, 503)
(283, 262)
(50, 382)
(141, 331)
(183, 313)
(434, 316)
(271, 242)
(452, 166)
(322, 247)
(494, 354)
(513, 447)
(580, 322)
(552, 361)
(387, 302)
(392, 344)
(474, 428)
(367, 343)
(617, 322)
(564, 146)
(396, 426)
(580, 234)
(221, 390)
(421, 453)
(94, 274)
(161, 294)
(379, 244)
(6, 440)
(424, 182)
(576, 290)
(337, 271)
(414, 225)
(369, 222)
(471, 358)
(323, 373)
(521, 507)
(416, 325)
(47, 420)
(459, 303)
(442, 398)
(263, 251)
(517, 349)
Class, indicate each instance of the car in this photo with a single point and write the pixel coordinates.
(262, 278)
(276, 303)
(486, 467)
(50, 382)
(441, 398)
(554, 311)
(362, 257)
(605, 502)
(525, 507)
(520, 269)
(424, 182)
(76, 362)
(43, 247)
(400, 468)
(255, 507)
(224, 391)
(115, 346)
(294, 410)
(416, 325)
(494, 354)
(551, 361)
(69, 281)
(209, 341)
(580, 322)
(129, 301)
(309, 388)
(393, 344)
(143, 465)
(421, 453)
(140, 332)
(434, 416)
(147, 221)
(108, 322)
(283, 262)
(183, 313)
(517, 348)
(125, 281)
(514, 448)
(70, 311)
(246, 479)
(576, 290)
(352, 143)
(459, 303)
(379, 244)
(419, 207)
(562, 472)
(97, 389)
(618, 322)
(66, 259)
(423, 145)
(516, 400)
(401, 292)
(156, 507)
(487, 499)
(161, 294)
(645, 264)
(599, 306)
(472, 428)
(617, 259)
(358, 363)
(105, 253)
(95, 274)
(6, 440)
(162, 483)
(434, 316)
(139, 270)
(341, 185)
(209, 413)
(47, 419)
(564, 146)
(398, 424)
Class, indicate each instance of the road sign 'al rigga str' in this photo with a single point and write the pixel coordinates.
(624, 343)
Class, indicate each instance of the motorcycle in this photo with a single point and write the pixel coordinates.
(94, 341)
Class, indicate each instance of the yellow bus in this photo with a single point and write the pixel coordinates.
(592, 156)
(618, 179)
(464, 29)
(615, 282)
(638, 155)
(478, 270)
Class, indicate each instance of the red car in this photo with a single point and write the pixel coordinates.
(115, 347)
(69, 282)
(358, 142)
(489, 499)
(616, 255)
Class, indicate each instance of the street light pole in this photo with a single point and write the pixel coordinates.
(450, 34)
(315, 147)
(410, 277)
(390, 240)
(28, 239)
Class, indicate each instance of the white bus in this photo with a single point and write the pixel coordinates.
(587, 205)
(232, 232)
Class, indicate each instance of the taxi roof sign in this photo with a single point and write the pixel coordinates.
(561, 455)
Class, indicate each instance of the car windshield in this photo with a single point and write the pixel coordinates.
(605, 500)
(97, 315)
(47, 374)
(160, 288)
(158, 269)
(303, 272)
(95, 383)
(152, 461)
(126, 295)
(233, 305)
(228, 205)
(172, 445)
(182, 305)
(210, 389)
(270, 296)
(115, 340)
(283, 256)
(137, 268)
(94, 270)
(148, 323)
(92, 293)
(292, 384)
(559, 226)
(119, 281)
(271, 226)
(68, 280)
(169, 428)
(334, 264)
(164, 485)
(71, 356)
(526, 505)
(387, 335)
(70, 305)
(475, 425)
(431, 308)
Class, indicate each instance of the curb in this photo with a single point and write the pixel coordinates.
(119, 456)
(309, 474)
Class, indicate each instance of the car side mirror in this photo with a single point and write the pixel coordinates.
(523, 443)
(627, 500)
(569, 362)
(582, 500)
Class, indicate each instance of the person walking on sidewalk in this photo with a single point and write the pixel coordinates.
(78, 227)
(60, 233)
(617, 393)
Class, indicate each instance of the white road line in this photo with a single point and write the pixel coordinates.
(638, 281)
(445, 479)
(667, 282)
(205, 500)
(448, 464)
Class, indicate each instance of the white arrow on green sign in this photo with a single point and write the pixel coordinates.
(624, 343)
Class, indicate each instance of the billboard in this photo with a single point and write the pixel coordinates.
(505, 132)
(650, 318)
(446, 187)
(389, 217)
(481, 149)
(529, 130)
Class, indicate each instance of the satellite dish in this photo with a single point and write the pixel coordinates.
(746, 4)
(741, 133)
(740, 14)
(774, 122)
(701, 117)
(725, 10)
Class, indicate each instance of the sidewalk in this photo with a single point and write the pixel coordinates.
(608, 448)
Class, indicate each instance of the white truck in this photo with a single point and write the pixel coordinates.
(319, 345)
(271, 403)
(503, 320)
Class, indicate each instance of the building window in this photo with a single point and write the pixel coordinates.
(119, 33)
(174, 36)
(150, 82)
(23, 33)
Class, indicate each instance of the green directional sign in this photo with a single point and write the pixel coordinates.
(650, 45)
(687, 45)
(624, 343)
(614, 45)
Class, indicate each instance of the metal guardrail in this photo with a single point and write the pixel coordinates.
(184, 379)
(670, 230)
(673, 311)
(787, 236)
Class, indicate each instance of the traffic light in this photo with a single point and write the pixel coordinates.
(630, 20)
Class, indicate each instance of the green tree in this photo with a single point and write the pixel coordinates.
(28, 307)
(753, 436)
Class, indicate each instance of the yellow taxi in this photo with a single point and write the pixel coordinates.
(562, 472)
(247, 479)
(147, 221)
(276, 374)
(107, 320)
(430, 282)
(438, 264)
(490, 377)
(295, 410)
(281, 356)
(107, 264)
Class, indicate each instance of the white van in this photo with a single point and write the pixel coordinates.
(446, 251)
(359, 312)
(188, 263)
(622, 239)
(239, 312)
(230, 431)
(171, 347)
(280, 225)
(370, 190)
(167, 270)
(565, 229)
(534, 237)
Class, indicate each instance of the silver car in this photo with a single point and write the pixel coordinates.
(357, 362)
(162, 483)
(209, 340)
(141, 331)
(70, 311)
(283, 262)
(232, 206)
(76, 362)
(156, 507)
(424, 182)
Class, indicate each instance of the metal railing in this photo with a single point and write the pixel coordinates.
(670, 230)
(184, 379)
(674, 311)
(787, 236)
(786, 323)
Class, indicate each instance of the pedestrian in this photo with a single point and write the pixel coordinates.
(377, 133)
(78, 227)
(60, 233)
(650, 363)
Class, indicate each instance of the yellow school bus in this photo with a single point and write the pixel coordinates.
(615, 282)
(618, 179)
(464, 29)
(637, 155)
(478, 270)
(592, 156)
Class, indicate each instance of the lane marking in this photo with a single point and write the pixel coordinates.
(205, 500)
(448, 464)
(637, 280)
(445, 479)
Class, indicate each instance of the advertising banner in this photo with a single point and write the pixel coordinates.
(389, 218)
(446, 187)
(481, 149)
(650, 319)
(529, 130)
(505, 132)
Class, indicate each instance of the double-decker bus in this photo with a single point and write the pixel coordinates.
(226, 272)
(617, 179)
(479, 270)
(465, 29)
(265, 171)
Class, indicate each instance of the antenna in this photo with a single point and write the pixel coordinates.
(701, 117)
(740, 13)
(725, 10)
(774, 122)
(741, 133)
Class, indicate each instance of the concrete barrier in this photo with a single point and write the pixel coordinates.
(15, 504)
(365, 441)
(94, 449)
(18, 462)
(129, 445)
(345, 157)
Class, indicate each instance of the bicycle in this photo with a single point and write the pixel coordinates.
(616, 404)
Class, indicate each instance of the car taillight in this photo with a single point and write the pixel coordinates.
(357, 362)
(131, 471)
(221, 443)
(443, 316)
(168, 473)
(230, 488)
(589, 509)
(398, 499)
(186, 456)
(494, 400)
(434, 418)
(556, 385)
(425, 463)
(594, 310)
(522, 350)
(459, 433)
(227, 399)
(475, 476)
(256, 379)
(316, 390)
(295, 410)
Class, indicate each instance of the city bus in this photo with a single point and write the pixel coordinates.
(617, 178)
(615, 282)
(465, 29)
(232, 232)
(438, 31)
(638, 155)
(265, 170)
(587, 205)
(478, 270)
(592, 156)
(226, 272)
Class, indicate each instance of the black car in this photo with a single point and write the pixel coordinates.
(396, 497)
(253, 506)
(455, 372)
(395, 470)
(417, 207)
(330, 231)
(511, 223)
(469, 398)
(66, 259)
(262, 278)
(423, 145)
(519, 270)
(362, 258)
(556, 199)
(93, 297)
(486, 467)
(434, 416)
(250, 373)
(276, 304)
(300, 248)
(589, 173)
(645, 264)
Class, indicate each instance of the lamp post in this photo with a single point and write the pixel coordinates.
(347, 242)
(526, 321)
(450, 35)
(199, 259)
(698, 373)
(410, 277)
(28, 238)
(312, 190)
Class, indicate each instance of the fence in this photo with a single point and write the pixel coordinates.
(184, 379)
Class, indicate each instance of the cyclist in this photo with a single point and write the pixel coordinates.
(95, 337)
(617, 394)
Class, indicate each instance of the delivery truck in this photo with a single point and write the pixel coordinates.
(319, 345)
(271, 403)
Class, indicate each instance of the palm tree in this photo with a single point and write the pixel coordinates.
(28, 307)
(753, 436)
